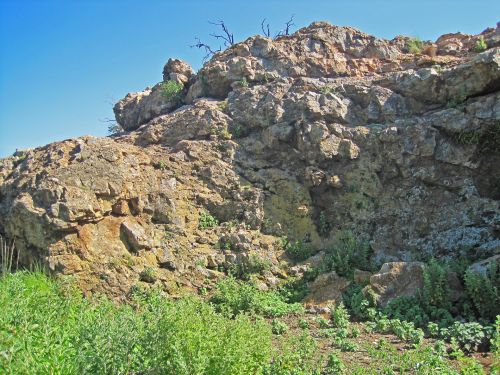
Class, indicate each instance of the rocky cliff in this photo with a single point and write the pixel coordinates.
(325, 130)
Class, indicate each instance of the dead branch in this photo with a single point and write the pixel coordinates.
(227, 37)
(286, 30)
(265, 28)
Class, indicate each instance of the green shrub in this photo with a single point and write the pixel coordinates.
(483, 290)
(356, 302)
(334, 365)
(339, 316)
(234, 297)
(278, 327)
(207, 221)
(253, 265)
(172, 90)
(414, 45)
(294, 289)
(294, 356)
(148, 275)
(324, 225)
(348, 253)
(436, 292)
(480, 45)
(468, 336)
(299, 250)
(408, 309)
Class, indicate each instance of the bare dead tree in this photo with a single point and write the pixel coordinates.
(286, 30)
(265, 28)
(227, 36)
(209, 51)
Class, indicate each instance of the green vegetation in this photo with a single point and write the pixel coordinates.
(480, 45)
(327, 89)
(206, 220)
(233, 297)
(414, 45)
(298, 250)
(483, 290)
(251, 266)
(349, 252)
(243, 82)
(172, 91)
(47, 327)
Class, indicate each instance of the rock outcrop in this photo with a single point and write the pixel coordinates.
(324, 130)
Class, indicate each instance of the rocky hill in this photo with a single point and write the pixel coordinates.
(307, 136)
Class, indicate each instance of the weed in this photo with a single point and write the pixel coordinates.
(324, 225)
(148, 275)
(339, 316)
(278, 327)
(207, 221)
(243, 82)
(222, 105)
(234, 297)
(327, 89)
(172, 91)
(480, 45)
(483, 290)
(299, 250)
(334, 365)
(414, 45)
(348, 253)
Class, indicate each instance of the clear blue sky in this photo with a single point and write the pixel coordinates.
(62, 63)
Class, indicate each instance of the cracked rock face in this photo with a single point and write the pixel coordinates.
(272, 138)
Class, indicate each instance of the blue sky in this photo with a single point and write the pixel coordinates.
(63, 63)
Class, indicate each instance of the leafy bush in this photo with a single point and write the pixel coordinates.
(414, 45)
(294, 289)
(408, 309)
(253, 265)
(348, 253)
(356, 302)
(339, 316)
(278, 327)
(299, 250)
(334, 365)
(480, 45)
(483, 290)
(468, 336)
(171, 90)
(294, 357)
(436, 292)
(234, 297)
(207, 221)
(47, 327)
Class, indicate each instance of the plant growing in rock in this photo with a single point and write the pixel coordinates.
(148, 275)
(480, 45)
(171, 90)
(348, 253)
(298, 250)
(207, 221)
(414, 45)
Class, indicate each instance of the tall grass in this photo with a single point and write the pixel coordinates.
(7, 257)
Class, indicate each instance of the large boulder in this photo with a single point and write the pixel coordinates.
(396, 279)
